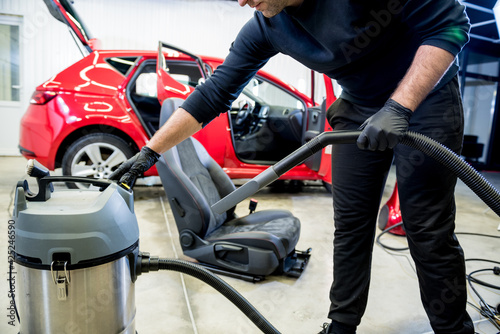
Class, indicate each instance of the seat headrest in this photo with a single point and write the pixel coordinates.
(168, 107)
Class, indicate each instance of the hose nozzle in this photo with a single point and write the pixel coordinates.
(38, 171)
(35, 169)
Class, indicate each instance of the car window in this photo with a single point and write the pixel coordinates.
(257, 90)
(145, 85)
(187, 73)
(265, 93)
(122, 64)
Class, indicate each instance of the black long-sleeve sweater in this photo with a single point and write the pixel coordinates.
(367, 46)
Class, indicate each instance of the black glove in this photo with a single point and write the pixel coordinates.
(135, 166)
(385, 128)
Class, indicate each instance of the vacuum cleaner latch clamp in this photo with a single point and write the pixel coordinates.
(61, 280)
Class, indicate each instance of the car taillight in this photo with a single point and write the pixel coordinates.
(42, 97)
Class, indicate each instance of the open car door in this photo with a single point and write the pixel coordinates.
(167, 86)
(63, 11)
(316, 124)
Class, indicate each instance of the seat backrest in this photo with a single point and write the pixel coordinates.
(295, 118)
(193, 181)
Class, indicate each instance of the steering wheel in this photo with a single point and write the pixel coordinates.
(245, 110)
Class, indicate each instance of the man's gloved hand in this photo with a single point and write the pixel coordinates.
(134, 167)
(385, 128)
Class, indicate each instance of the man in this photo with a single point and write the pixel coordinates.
(396, 62)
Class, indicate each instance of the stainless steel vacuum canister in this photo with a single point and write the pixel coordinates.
(74, 254)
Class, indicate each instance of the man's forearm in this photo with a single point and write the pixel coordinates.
(178, 127)
(428, 67)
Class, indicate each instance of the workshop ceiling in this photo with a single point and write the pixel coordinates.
(484, 36)
(483, 24)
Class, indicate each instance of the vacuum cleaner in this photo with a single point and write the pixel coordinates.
(77, 259)
(77, 250)
(75, 253)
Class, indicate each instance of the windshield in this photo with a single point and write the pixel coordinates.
(265, 93)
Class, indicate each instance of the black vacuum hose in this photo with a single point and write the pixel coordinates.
(475, 181)
(214, 281)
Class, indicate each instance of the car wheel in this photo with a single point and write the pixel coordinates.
(95, 155)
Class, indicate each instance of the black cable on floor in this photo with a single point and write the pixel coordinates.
(484, 260)
(478, 234)
(486, 310)
(495, 270)
(405, 248)
(389, 247)
(480, 311)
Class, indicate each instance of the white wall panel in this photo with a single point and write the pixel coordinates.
(204, 27)
(45, 49)
(200, 26)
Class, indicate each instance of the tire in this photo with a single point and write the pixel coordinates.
(95, 155)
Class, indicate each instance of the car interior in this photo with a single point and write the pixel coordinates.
(267, 123)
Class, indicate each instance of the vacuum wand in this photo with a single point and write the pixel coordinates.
(475, 181)
(281, 167)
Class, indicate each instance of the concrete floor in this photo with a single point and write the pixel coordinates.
(169, 302)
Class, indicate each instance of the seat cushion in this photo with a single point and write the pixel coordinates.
(276, 230)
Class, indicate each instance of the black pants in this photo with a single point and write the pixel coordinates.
(426, 192)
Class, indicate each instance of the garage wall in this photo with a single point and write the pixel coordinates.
(40, 56)
(204, 27)
(201, 26)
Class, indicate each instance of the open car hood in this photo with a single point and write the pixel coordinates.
(64, 12)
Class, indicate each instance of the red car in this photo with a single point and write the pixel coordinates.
(101, 110)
